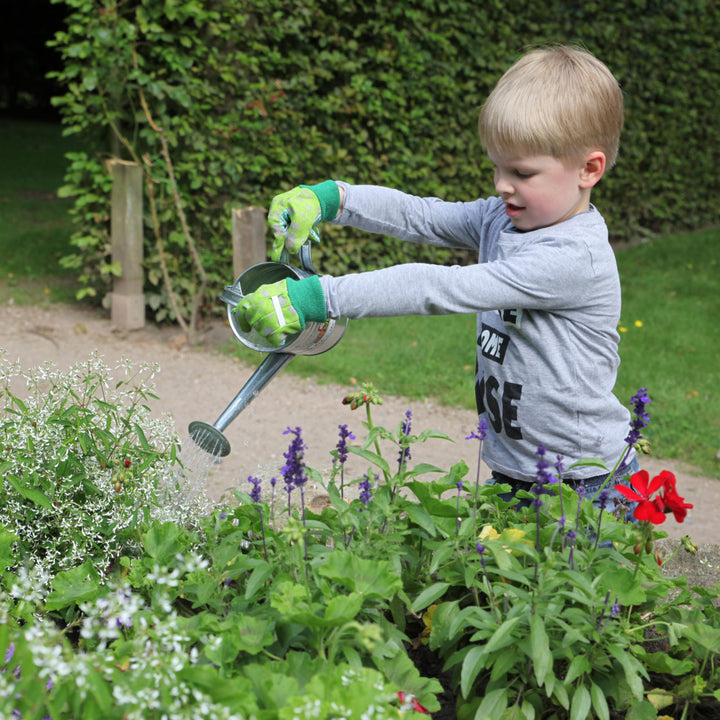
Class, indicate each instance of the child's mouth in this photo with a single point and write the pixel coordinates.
(513, 210)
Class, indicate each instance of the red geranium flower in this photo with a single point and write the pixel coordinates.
(654, 509)
(648, 508)
(676, 504)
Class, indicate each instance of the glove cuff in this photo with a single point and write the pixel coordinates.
(308, 299)
(328, 194)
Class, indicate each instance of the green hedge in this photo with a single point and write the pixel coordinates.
(255, 96)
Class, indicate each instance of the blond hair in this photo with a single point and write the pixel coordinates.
(559, 101)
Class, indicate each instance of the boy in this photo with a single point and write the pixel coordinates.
(545, 289)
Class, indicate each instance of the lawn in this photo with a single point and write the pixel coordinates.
(34, 222)
(669, 330)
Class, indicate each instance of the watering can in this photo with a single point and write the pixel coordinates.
(314, 339)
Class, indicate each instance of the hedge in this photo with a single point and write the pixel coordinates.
(252, 97)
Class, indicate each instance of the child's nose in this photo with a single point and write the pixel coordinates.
(503, 186)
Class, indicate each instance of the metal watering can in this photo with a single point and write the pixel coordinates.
(316, 338)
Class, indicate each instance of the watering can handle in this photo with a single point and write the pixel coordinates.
(232, 294)
(303, 255)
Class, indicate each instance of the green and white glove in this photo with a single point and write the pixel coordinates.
(294, 215)
(282, 308)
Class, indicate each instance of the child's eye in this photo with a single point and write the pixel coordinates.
(523, 175)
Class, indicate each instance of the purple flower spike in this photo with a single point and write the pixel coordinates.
(255, 493)
(641, 419)
(342, 449)
(365, 489)
(405, 430)
(542, 477)
(481, 433)
(293, 471)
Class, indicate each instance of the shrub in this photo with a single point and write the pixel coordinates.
(84, 466)
(241, 100)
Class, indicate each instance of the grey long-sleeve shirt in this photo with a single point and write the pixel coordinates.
(547, 305)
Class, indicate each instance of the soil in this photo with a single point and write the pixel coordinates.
(197, 383)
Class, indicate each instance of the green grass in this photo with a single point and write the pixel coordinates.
(34, 225)
(670, 286)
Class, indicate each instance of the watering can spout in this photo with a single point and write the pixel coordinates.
(210, 437)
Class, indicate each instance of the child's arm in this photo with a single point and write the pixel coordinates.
(294, 215)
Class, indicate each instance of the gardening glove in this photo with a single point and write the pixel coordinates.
(282, 308)
(294, 215)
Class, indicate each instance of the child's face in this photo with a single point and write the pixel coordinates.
(540, 190)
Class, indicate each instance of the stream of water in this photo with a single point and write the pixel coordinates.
(197, 462)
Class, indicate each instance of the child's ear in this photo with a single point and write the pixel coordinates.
(592, 169)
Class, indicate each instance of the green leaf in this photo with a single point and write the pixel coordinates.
(599, 702)
(622, 582)
(493, 705)
(473, 662)
(27, 491)
(141, 435)
(424, 468)
(420, 516)
(162, 542)
(372, 458)
(372, 578)
(632, 669)
(540, 649)
(503, 636)
(590, 462)
(242, 633)
(257, 579)
(7, 541)
(75, 586)
(342, 609)
(581, 704)
(100, 689)
(579, 665)
(425, 497)
(400, 670)
(429, 595)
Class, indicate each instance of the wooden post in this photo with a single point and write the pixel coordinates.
(126, 238)
(248, 238)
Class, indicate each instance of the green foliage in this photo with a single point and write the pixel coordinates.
(255, 97)
(263, 609)
(76, 453)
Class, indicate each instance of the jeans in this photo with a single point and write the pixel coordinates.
(591, 487)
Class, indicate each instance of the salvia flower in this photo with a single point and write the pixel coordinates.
(365, 486)
(542, 477)
(342, 449)
(603, 498)
(293, 471)
(481, 433)
(255, 493)
(405, 428)
(641, 419)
